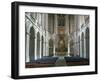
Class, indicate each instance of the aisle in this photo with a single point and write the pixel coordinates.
(60, 62)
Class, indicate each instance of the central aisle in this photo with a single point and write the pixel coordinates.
(60, 62)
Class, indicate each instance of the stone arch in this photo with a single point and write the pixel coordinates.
(50, 47)
(38, 45)
(87, 42)
(32, 44)
(82, 44)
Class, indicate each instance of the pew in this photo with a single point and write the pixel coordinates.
(73, 61)
(43, 62)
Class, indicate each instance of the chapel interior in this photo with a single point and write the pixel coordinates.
(56, 39)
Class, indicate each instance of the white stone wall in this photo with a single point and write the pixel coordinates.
(37, 28)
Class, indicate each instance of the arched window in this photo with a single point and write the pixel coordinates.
(50, 47)
(38, 45)
(82, 44)
(61, 20)
(87, 42)
(42, 44)
(32, 44)
(51, 23)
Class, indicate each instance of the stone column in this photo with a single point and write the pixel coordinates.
(54, 51)
(27, 47)
(46, 36)
(81, 47)
(46, 48)
(43, 48)
(84, 46)
(40, 47)
(68, 48)
(56, 31)
(55, 28)
(35, 46)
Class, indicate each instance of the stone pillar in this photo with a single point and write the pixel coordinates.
(81, 48)
(35, 46)
(56, 31)
(54, 51)
(46, 37)
(55, 28)
(46, 48)
(40, 47)
(27, 48)
(68, 48)
(43, 48)
(84, 47)
(43, 26)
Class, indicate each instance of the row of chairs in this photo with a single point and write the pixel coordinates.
(50, 61)
(44, 62)
(73, 61)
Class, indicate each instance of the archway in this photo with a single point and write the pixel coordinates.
(82, 47)
(42, 43)
(32, 44)
(50, 47)
(38, 45)
(87, 42)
